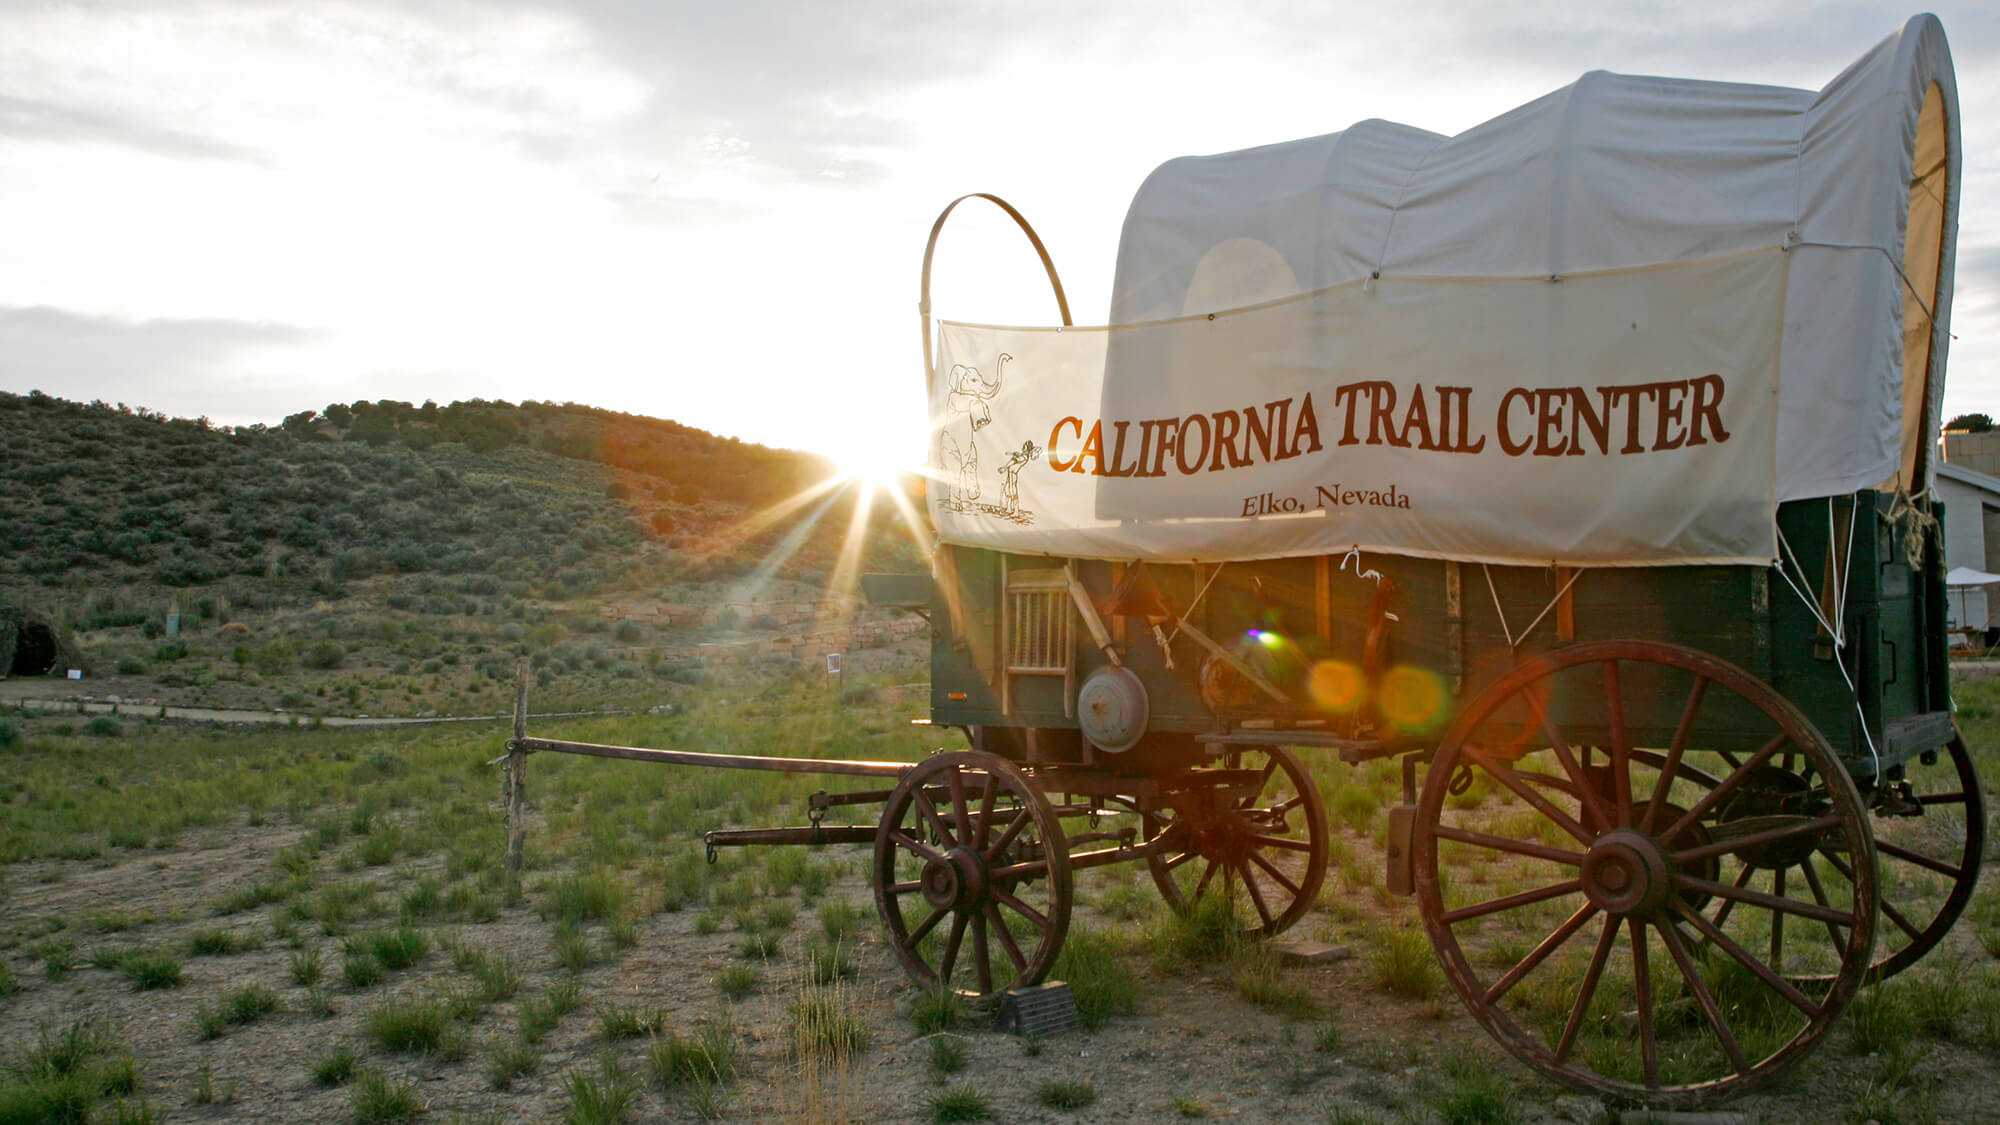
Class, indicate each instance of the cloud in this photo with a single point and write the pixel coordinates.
(173, 365)
(44, 120)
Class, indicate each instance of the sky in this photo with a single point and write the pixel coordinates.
(716, 212)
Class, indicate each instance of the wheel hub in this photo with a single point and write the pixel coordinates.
(1626, 872)
(955, 880)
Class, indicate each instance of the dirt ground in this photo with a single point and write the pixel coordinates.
(1193, 1048)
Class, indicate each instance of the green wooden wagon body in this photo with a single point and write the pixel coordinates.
(1457, 627)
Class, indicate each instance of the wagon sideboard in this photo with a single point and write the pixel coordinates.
(1007, 652)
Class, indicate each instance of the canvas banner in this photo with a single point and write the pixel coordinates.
(1624, 418)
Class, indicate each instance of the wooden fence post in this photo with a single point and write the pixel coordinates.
(517, 785)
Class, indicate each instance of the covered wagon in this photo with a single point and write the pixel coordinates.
(1581, 461)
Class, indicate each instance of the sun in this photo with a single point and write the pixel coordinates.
(874, 466)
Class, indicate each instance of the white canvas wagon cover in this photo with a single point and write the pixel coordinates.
(1614, 326)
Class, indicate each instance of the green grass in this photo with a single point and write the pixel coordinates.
(379, 1100)
(539, 1015)
(937, 1010)
(839, 919)
(510, 1060)
(1260, 980)
(961, 1103)
(305, 967)
(239, 1007)
(946, 1054)
(737, 981)
(150, 969)
(591, 896)
(1066, 1094)
(708, 1057)
(825, 1024)
(1095, 965)
(1405, 965)
(616, 1023)
(215, 942)
(61, 1076)
(337, 1066)
(416, 1026)
(603, 1099)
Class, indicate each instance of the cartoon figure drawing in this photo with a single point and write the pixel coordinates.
(1010, 482)
(970, 392)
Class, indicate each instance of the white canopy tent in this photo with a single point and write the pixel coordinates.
(1621, 236)
(1962, 579)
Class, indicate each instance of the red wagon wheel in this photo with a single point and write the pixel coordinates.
(972, 875)
(1611, 936)
(1261, 825)
(1930, 835)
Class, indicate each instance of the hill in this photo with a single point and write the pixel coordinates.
(408, 536)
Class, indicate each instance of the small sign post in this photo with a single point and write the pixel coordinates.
(834, 667)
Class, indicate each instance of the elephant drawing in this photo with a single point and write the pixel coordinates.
(970, 392)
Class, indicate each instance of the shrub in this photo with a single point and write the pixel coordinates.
(1066, 1095)
(961, 1103)
(324, 655)
(378, 1100)
(150, 969)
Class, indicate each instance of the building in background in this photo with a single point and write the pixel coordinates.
(1968, 481)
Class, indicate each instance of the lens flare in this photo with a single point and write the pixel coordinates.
(1413, 700)
(1335, 686)
(1267, 638)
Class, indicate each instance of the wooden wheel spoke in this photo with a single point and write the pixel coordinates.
(1271, 869)
(916, 847)
(1755, 839)
(1006, 937)
(1819, 895)
(1021, 820)
(1263, 779)
(1027, 870)
(1642, 990)
(1287, 805)
(1207, 873)
(1281, 843)
(1504, 844)
(1918, 858)
(1256, 896)
(982, 962)
(1541, 952)
(1709, 1009)
(951, 943)
(1176, 861)
(1588, 989)
(1743, 957)
(955, 782)
(1506, 777)
(1742, 880)
(1904, 924)
(1592, 800)
(1525, 898)
(905, 888)
(1665, 782)
(983, 826)
(1778, 919)
(1727, 785)
(927, 925)
(1769, 902)
(929, 811)
(1023, 909)
(1621, 750)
